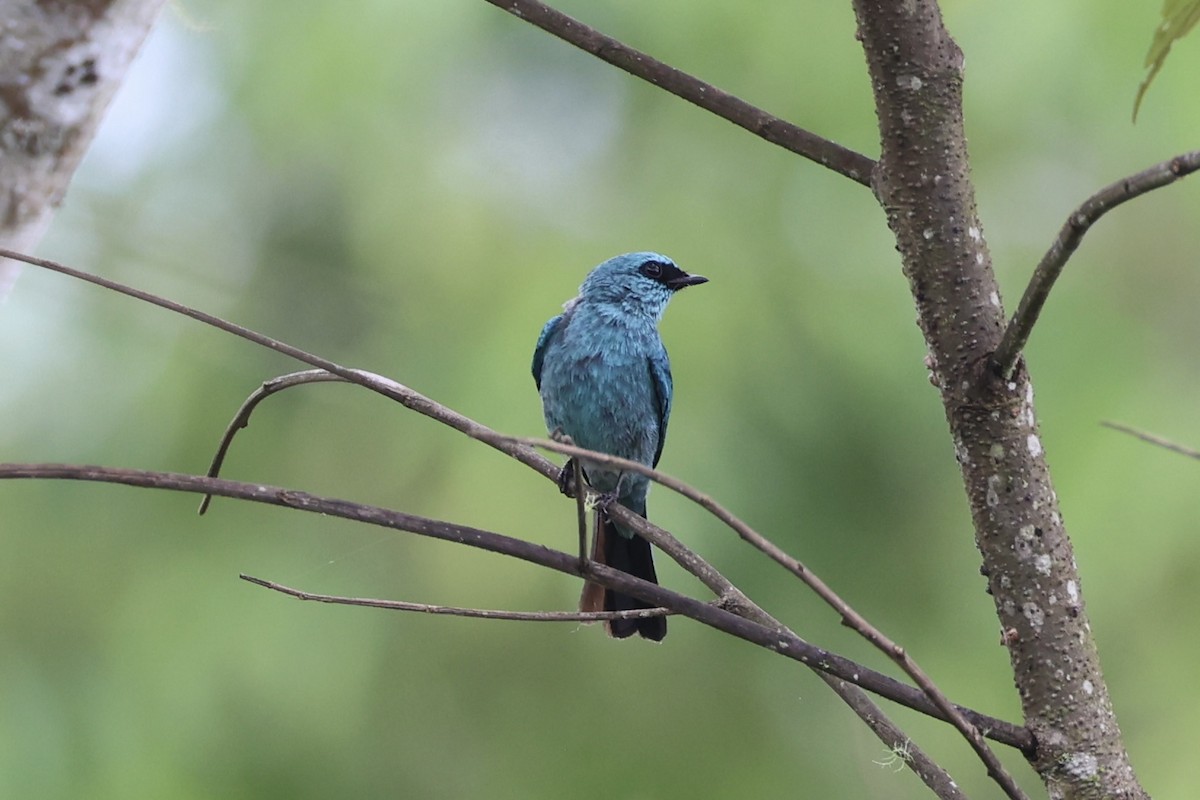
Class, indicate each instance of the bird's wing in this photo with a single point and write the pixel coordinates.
(543, 344)
(660, 381)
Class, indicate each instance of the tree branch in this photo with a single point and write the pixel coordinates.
(776, 639)
(1016, 335)
(828, 154)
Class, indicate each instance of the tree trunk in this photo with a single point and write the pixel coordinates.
(923, 183)
(60, 64)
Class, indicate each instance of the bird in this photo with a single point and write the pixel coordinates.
(604, 378)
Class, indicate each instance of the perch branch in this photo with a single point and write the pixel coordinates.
(828, 154)
(1016, 334)
(777, 640)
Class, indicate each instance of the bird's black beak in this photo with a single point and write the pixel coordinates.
(683, 279)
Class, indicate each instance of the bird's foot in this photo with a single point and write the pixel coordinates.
(603, 500)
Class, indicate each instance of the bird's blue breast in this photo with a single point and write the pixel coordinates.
(597, 387)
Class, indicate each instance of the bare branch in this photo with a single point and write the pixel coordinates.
(458, 611)
(776, 639)
(1152, 439)
(828, 154)
(407, 397)
(1016, 334)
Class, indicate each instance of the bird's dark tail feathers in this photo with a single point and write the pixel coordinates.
(634, 556)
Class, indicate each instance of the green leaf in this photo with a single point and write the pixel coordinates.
(1179, 17)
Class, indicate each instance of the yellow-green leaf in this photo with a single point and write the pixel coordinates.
(1179, 17)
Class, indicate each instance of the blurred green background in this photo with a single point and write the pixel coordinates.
(414, 188)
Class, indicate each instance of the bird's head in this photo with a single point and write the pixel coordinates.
(637, 282)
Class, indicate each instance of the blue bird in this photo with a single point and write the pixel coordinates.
(605, 381)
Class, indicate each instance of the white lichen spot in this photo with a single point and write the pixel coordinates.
(1005, 582)
(1029, 393)
(927, 233)
(1055, 518)
(1073, 591)
(996, 451)
(1034, 445)
(1053, 599)
(1011, 386)
(1033, 612)
(973, 232)
(1009, 607)
(1080, 766)
(1088, 688)
(1023, 542)
(1042, 563)
(979, 260)
(960, 451)
(910, 82)
(966, 386)
(993, 490)
(994, 299)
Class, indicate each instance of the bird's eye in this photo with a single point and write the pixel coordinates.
(652, 269)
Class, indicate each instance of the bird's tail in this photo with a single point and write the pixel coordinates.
(630, 554)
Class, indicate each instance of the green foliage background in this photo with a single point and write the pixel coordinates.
(413, 188)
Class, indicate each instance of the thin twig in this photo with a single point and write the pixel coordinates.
(407, 397)
(1016, 334)
(850, 617)
(459, 611)
(1152, 439)
(777, 640)
(828, 154)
